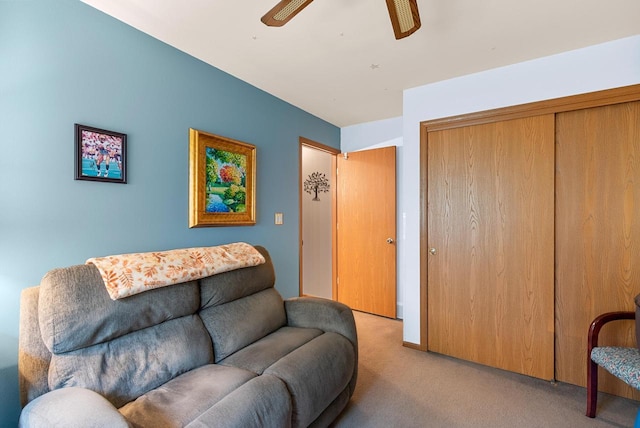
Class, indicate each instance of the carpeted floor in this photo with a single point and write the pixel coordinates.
(403, 387)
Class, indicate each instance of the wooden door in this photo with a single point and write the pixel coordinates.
(366, 231)
(597, 232)
(490, 227)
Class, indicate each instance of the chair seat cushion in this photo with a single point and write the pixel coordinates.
(622, 362)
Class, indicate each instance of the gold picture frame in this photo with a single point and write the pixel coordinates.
(222, 178)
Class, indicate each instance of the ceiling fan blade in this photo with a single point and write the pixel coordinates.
(404, 17)
(283, 12)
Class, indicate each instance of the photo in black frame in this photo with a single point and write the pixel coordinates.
(100, 155)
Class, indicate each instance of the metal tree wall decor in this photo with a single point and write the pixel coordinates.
(317, 182)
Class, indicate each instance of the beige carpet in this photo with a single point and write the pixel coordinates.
(402, 387)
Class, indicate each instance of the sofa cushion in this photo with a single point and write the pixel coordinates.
(183, 399)
(236, 324)
(75, 310)
(263, 402)
(266, 351)
(228, 286)
(129, 366)
(315, 375)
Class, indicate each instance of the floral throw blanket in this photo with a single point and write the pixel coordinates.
(128, 274)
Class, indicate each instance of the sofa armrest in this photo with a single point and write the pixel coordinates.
(323, 314)
(328, 316)
(71, 407)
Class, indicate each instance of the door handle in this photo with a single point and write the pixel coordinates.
(389, 240)
(433, 251)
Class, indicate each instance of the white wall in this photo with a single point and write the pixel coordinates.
(316, 227)
(598, 67)
(371, 134)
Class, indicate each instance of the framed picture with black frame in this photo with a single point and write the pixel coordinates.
(100, 155)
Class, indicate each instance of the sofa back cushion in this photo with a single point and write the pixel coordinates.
(241, 306)
(236, 324)
(229, 286)
(124, 368)
(119, 348)
(75, 311)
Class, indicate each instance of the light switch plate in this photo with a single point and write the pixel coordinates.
(278, 218)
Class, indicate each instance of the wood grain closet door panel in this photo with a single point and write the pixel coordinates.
(490, 220)
(597, 232)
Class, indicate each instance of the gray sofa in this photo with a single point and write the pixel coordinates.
(223, 351)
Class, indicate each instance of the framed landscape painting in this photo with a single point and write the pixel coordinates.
(100, 155)
(221, 181)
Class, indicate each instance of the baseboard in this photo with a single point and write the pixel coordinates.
(415, 346)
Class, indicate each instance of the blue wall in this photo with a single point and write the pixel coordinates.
(64, 62)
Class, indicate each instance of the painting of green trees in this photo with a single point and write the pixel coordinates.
(225, 181)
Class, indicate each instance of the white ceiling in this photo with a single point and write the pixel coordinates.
(339, 60)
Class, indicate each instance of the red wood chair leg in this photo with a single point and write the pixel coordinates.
(592, 387)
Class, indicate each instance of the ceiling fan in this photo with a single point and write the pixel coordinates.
(403, 13)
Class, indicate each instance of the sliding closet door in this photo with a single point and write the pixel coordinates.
(597, 232)
(490, 237)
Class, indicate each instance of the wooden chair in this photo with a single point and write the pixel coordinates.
(622, 362)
